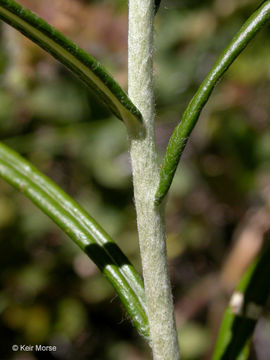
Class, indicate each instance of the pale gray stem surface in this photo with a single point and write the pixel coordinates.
(150, 219)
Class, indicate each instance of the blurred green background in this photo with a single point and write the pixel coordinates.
(218, 211)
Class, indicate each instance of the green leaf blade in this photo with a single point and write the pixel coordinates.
(241, 317)
(82, 229)
(190, 117)
(89, 70)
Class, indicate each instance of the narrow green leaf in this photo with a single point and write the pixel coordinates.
(246, 305)
(81, 228)
(182, 132)
(74, 58)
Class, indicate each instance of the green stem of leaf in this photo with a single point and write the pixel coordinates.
(182, 132)
(75, 59)
(82, 229)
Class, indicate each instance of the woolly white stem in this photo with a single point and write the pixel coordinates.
(150, 220)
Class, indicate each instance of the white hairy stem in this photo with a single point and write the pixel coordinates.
(150, 219)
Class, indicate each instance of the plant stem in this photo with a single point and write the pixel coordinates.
(150, 219)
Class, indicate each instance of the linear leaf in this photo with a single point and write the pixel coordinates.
(182, 132)
(81, 228)
(241, 315)
(74, 58)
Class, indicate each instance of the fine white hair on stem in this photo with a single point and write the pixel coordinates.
(150, 219)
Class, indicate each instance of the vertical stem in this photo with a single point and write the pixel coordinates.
(150, 219)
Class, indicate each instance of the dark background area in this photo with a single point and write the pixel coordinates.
(218, 209)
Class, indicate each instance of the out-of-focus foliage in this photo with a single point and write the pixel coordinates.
(52, 294)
